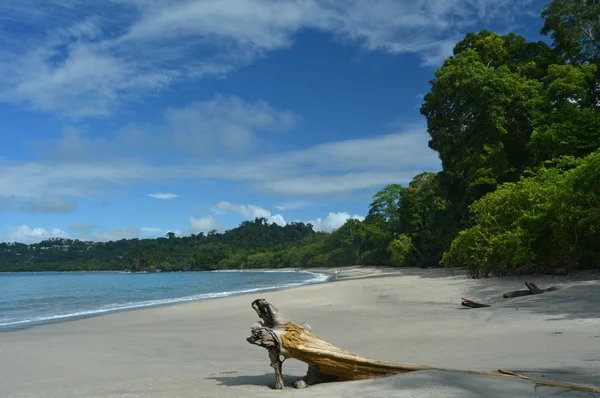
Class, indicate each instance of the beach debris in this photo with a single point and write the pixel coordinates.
(531, 289)
(284, 339)
(472, 304)
(558, 272)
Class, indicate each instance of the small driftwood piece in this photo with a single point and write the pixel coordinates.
(472, 304)
(531, 289)
(558, 272)
(284, 339)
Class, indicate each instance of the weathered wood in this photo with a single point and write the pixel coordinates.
(531, 289)
(517, 293)
(472, 304)
(267, 338)
(283, 338)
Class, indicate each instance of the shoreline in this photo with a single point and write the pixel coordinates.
(344, 273)
(88, 314)
(355, 272)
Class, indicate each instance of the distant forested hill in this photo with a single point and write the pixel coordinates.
(237, 248)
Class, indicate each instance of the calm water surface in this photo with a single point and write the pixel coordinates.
(29, 299)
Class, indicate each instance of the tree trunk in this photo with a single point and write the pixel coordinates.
(283, 338)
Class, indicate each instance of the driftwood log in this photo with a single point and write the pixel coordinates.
(531, 289)
(284, 339)
(472, 304)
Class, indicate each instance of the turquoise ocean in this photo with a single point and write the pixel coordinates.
(35, 298)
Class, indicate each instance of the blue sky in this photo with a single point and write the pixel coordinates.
(131, 118)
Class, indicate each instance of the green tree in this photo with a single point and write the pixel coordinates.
(401, 249)
(345, 243)
(424, 218)
(574, 26)
(481, 111)
(382, 220)
(572, 128)
(539, 223)
(385, 203)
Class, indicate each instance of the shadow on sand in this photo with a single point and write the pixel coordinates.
(373, 272)
(487, 386)
(265, 380)
(434, 382)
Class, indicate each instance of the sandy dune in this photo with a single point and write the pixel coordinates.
(199, 349)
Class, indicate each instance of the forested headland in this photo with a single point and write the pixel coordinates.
(516, 125)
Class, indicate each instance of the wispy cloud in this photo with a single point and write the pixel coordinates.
(163, 195)
(83, 58)
(49, 205)
(223, 125)
(325, 169)
(150, 229)
(293, 205)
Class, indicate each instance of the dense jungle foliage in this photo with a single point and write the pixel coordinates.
(516, 125)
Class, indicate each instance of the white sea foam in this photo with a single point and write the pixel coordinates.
(13, 323)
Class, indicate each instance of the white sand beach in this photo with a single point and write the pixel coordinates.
(199, 349)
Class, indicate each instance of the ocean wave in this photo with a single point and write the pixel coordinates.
(111, 308)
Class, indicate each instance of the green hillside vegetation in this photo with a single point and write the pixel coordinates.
(516, 125)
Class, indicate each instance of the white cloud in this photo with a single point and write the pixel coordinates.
(34, 180)
(337, 167)
(247, 211)
(25, 234)
(84, 58)
(82, 231)
(202, 224)
(333, 221)
(163, 195)
(250, 212)
(87, 232)
(325, 169)
(277, 219)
